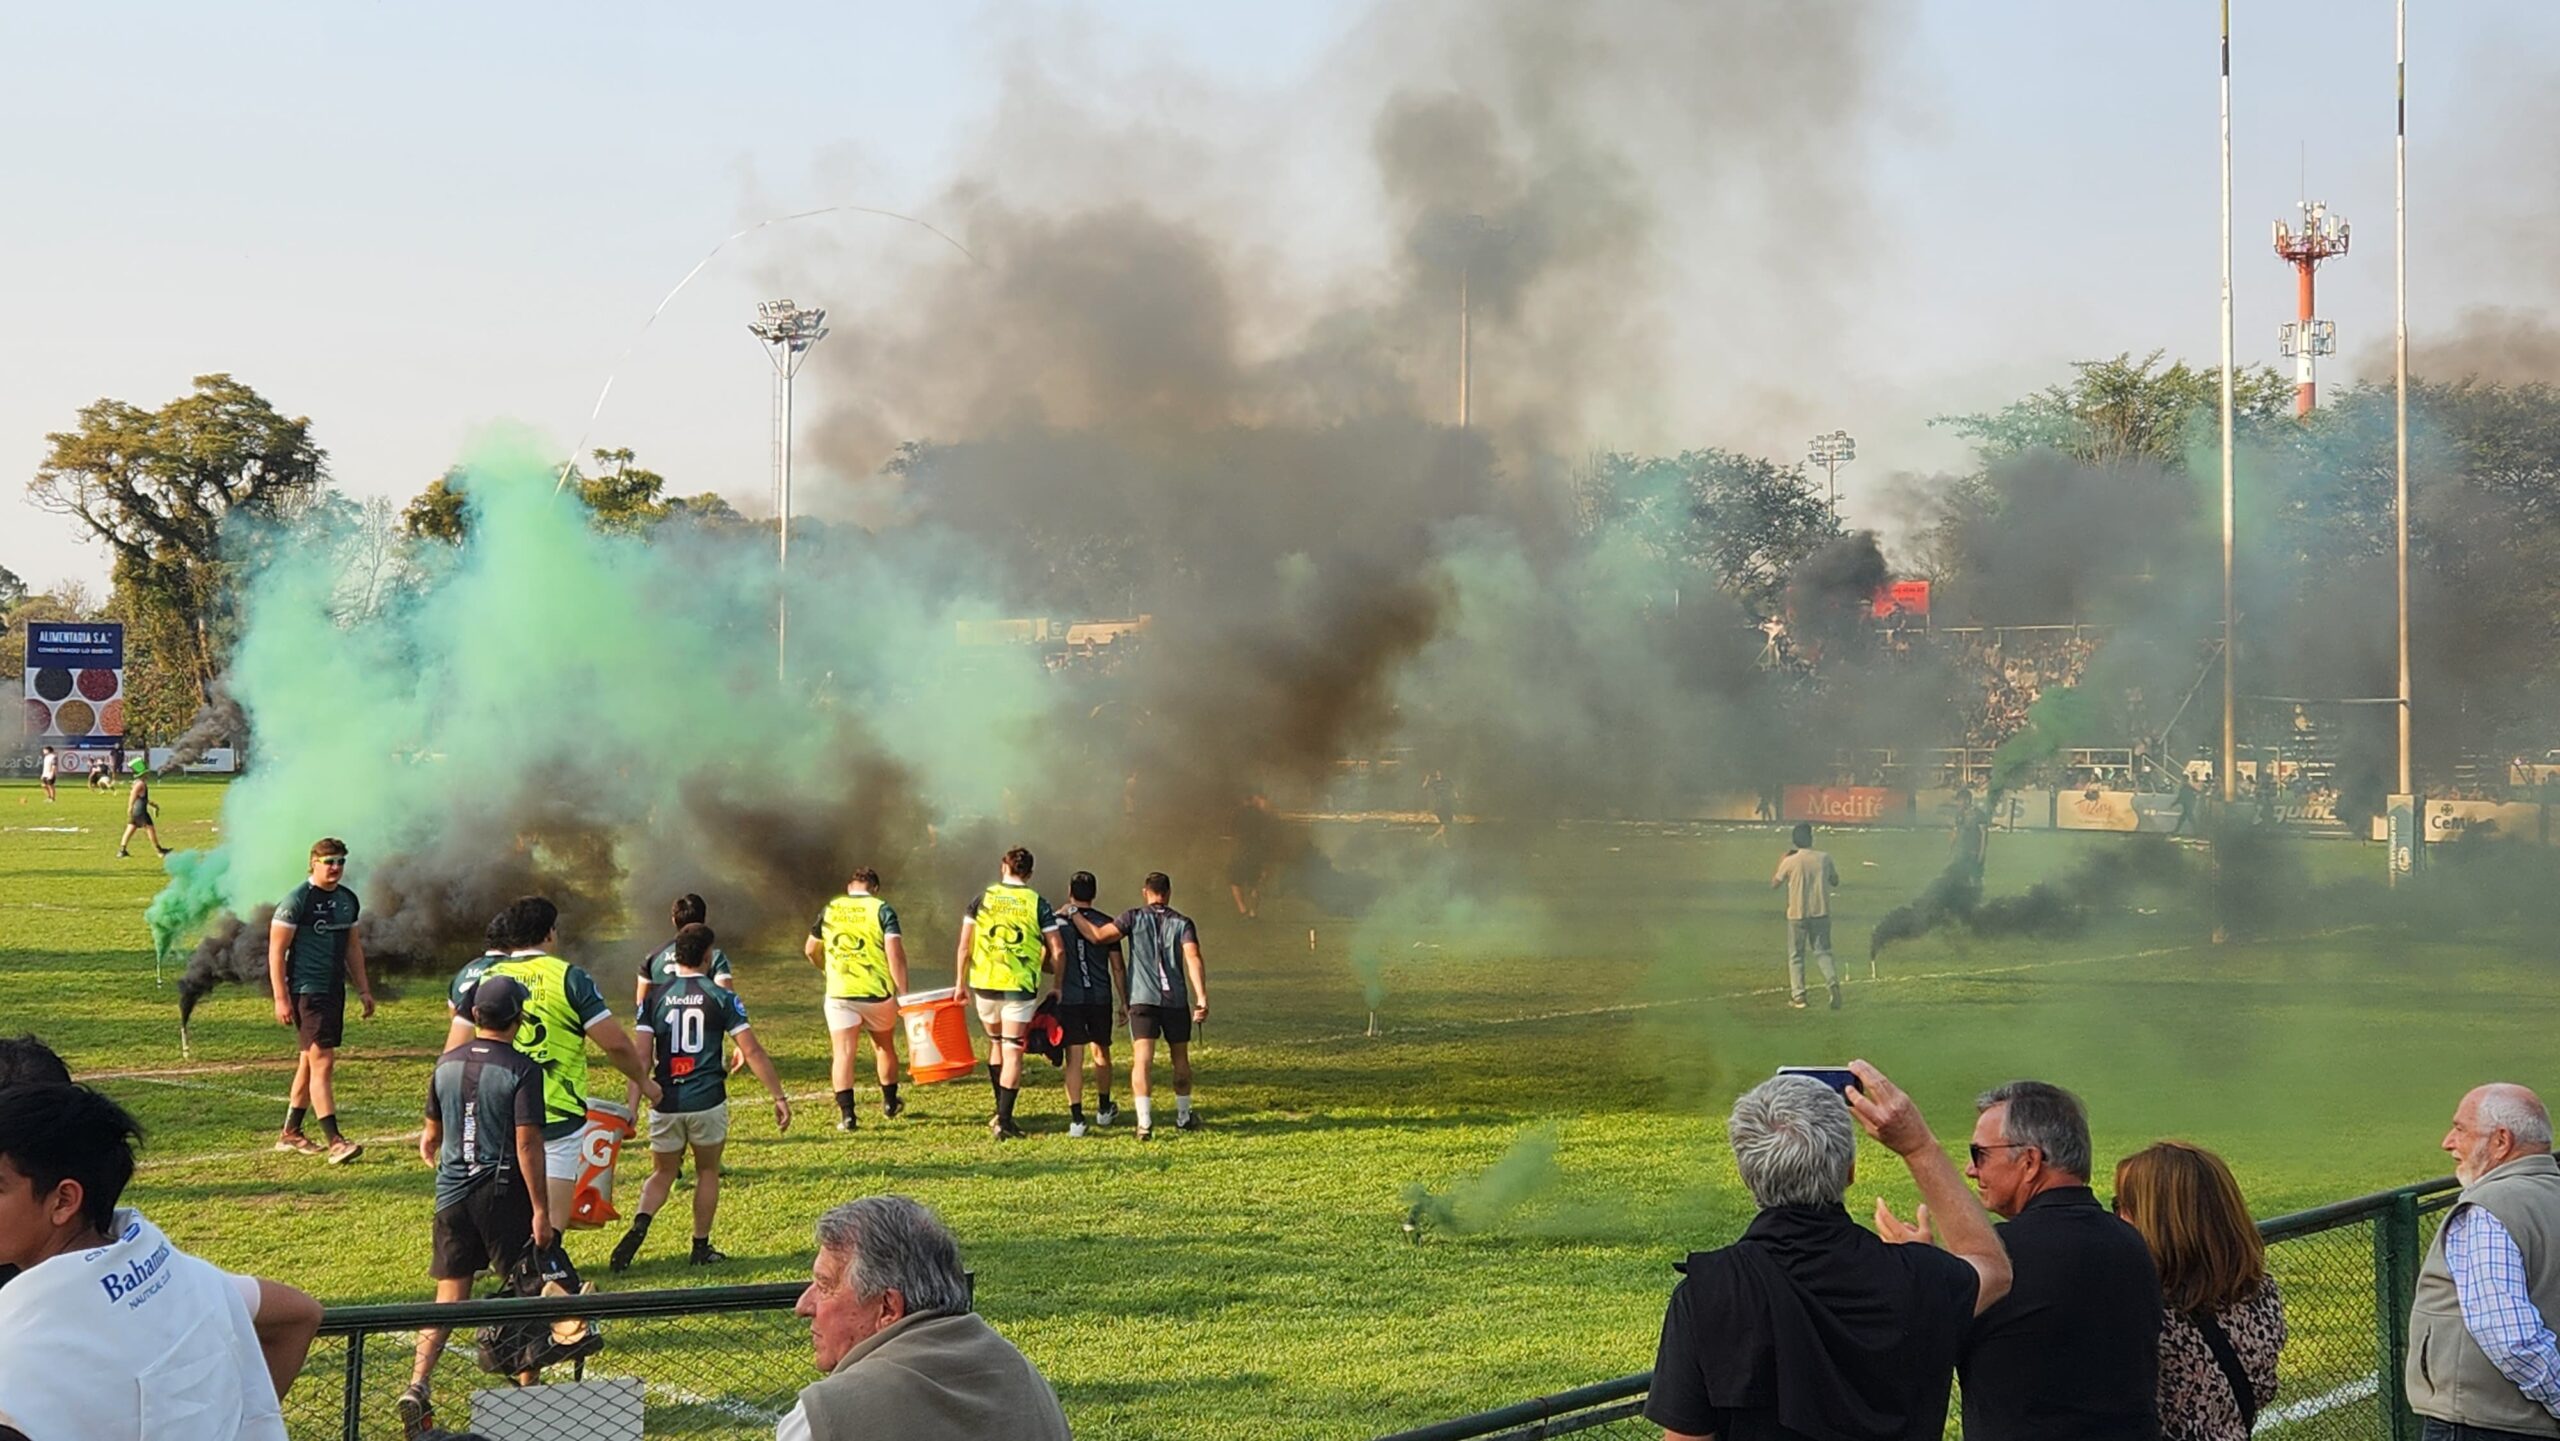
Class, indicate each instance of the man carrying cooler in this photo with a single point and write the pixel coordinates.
(1007, 938)
(1168, 993)
(1092, 987)
(856, 945)
(313, 947)
(683, 1024)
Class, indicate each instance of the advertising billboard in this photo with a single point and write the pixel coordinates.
(75, 684)
(1846, 805)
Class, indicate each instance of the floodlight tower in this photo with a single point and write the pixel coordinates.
(2322, 235)
(1831, 452)
(787, 332)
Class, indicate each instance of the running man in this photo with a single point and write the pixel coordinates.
(140, 811)
(688, 910)
(684, 1024)
(48, 772)
(313, 948)
(563, 1011)
(484, 1139)
(1808, 877)
(856, 944)
(1092, 987)
(1168, 993)
(1008, 937)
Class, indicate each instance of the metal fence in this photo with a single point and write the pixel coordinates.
(2348, 1272)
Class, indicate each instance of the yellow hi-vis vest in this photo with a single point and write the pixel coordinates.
(857, 951)
(553, 1034)
(1006, 952)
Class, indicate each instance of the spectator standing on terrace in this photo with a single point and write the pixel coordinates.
(2483, 1364)
(313, 949)
(2222, 1322)
(1807, 876)
(1811, 1325)
(110, 1332)
(904, 1355)
(2074, 1350)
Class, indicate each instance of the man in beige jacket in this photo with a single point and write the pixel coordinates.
(889, 1321)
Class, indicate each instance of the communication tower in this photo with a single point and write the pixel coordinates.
(2308, 337)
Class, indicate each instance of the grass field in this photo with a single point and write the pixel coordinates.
(1589, 1022)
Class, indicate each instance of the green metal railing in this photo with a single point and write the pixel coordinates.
(2348, 1271)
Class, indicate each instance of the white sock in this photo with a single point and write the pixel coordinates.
(1182, 1108)
(1146, 1114)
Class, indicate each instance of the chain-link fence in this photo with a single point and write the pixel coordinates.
(2348, 1272)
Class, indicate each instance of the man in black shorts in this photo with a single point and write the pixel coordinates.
(1092, 986)
(1168, 991)
(484, 1137)
(312, 950)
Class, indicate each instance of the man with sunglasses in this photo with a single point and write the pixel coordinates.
(312, 949)
(2073, 1352)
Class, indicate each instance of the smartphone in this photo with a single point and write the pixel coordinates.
(1838, 1078)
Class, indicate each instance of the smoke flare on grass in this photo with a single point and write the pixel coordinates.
(2047, 910)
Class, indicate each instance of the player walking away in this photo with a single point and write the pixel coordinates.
(1439, 799)
(1807, 875)
(688, 910)
(1092, 986)
(1168, 993)
(484, 1139)
(139, 812)
(563, 1010)
(685, 1024)
(1971, 843)
(1008, 937)
(457, 995)
(313, 948)
(1250, 866)
(856, 945)
(47, 771)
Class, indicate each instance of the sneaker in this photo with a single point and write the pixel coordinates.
(164, 850)
(892, 1105)
(1075, 1130)
(1187, 1123)
(706, 1254)
(1004, 1130)
(1146, 1133)
(417, 1413)
(124, 855)
(297, 1142)
(845, 1123)
(1105, 1114)
(624, 1251)
(342, 1151)
(1796, 1004)
(1835, 998)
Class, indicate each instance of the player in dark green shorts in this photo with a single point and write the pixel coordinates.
(683, 1025)
(313, 948)
(688, 910)
(1092, 991)
(1168, 993)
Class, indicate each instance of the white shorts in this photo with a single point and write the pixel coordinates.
(997, 1011)
(675, 1130)
(565, 1159)
(878, 1017)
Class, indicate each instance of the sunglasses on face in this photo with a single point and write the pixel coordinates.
(1982, 1152)
(336, 862)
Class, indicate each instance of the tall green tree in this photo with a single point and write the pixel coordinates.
(622, 497)
(157, 487)
(1743, 521)
(2122, 409)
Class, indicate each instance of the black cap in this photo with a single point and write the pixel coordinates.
(497, 1002)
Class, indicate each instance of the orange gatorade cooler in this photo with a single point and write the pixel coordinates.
(937, 1035)
(599, 1146)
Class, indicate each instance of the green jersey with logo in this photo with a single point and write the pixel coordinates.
(315, 960)
(688, 1022)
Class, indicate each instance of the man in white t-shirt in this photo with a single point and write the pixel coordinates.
(109, 1331)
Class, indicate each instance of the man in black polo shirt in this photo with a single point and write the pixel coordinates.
(2073, 1354)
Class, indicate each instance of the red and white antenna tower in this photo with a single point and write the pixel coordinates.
(2308, 337)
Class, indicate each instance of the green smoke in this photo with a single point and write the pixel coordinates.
(191, 898)
(1481, 1201)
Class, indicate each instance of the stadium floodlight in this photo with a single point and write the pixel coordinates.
(787, 331)
(1831, 452)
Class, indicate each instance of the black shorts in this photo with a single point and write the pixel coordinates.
(487, 1230)
(1160, 1023)
(321, 1020)
(137, 816)
(1086, 1024)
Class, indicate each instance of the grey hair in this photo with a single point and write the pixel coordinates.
(2046, 1117)
(2505, 1106)
(895, 1244)
(1793, 1142)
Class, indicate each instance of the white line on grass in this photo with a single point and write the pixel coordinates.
(211, 1068)
(2362, 1388)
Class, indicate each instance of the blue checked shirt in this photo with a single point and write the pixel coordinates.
(2488, 1278)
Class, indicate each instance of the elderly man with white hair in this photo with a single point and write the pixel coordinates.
(905, 1357)
(2483, 1362)
(1811, 1325)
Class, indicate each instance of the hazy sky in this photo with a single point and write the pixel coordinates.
(408, 221)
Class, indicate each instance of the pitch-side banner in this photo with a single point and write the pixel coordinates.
(2105, 810)
(1847, 805)
(75, 683)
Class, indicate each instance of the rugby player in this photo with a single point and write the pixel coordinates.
(688, 910)
(685, 1023)
(1008, 938)
(1168, 993)
(856, 945)
(1092, 989)
(457, 995)
(313, 948)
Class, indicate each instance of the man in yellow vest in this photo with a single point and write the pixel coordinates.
(1008, 939)
(857, 946)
